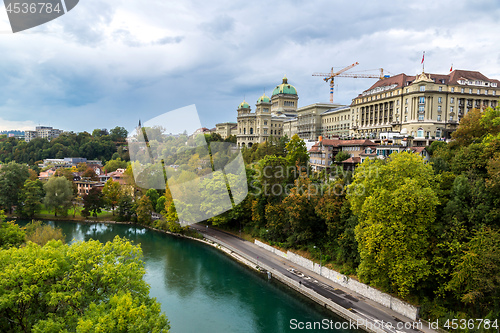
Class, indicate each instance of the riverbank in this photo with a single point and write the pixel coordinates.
(356, 310)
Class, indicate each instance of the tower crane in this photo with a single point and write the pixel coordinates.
(331, 76)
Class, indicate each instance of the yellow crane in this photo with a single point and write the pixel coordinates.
(331, 76)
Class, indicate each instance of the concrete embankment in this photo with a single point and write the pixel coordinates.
(393, 303)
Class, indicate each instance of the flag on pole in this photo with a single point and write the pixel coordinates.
(451, 68)
(423, 55)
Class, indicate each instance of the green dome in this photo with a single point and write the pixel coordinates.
(264, 99)
(285, 88)
(244, 105)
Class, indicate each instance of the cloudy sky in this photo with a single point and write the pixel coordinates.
(109, 63)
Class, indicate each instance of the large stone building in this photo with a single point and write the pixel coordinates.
(421, 108)
(44, 132)
(226, 129)
(424, 106)
(269, 116)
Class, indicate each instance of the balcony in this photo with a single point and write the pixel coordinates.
(395, 122)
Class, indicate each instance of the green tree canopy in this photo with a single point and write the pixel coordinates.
(83, 287)
(12, 178)
(93, 202)
(395, 203)
(58, 194)
(112, 192)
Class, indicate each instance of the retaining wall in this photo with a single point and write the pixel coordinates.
(371, 293)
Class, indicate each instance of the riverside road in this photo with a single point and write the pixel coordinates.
(370, 311)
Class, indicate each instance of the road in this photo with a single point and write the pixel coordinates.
(369, 310)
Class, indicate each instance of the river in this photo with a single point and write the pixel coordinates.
(202, 290)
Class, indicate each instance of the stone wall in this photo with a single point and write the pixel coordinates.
(364, 290)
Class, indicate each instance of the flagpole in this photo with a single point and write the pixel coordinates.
(423, 62)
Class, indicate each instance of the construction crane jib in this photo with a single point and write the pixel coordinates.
(331, 76)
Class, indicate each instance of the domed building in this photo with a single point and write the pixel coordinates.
(269, 116)
(284, 98)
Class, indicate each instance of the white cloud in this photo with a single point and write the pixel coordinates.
(105, 64)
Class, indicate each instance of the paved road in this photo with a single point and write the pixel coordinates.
(370, 311)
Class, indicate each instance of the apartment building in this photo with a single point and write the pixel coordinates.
(43, 132)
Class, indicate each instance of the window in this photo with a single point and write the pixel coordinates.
(251, 130)
(420, 133)
(244, 131)
(421, 100)
(462, 90)
(422, 88)
(440, 99)
(265, 122)
(452, 100)
(407, 90)
(440, 89)
(493, 92)
(420, 117)
(452, 89)
(439, 108)
(397, 102)
(421, 109)
(451, 118)
(439, 117)
(406, 109)
(486, 92)
(470, 91)
(265, 131)
(451, 109)
(406, 101)
(478, 91)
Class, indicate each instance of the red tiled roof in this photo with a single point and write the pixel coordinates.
(417, 149)
(452, 78)
(352, 160)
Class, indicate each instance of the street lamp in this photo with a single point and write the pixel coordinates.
(319, 259)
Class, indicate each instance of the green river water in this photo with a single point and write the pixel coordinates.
(202, 290)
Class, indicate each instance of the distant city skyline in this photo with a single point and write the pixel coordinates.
(108, 64)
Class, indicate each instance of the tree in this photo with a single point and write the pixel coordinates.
(125, 207)
(112, 192)
(144, 209)
(12, 178)
(58, 194)
(31, 198)
(153, 197)
(118, 134)
(10, 233)
(395, 203)
(342, 156)
(93, 202)
(113, 165)
(476, 276)
(297, 152)
(40, 234)
(90, 174)
(470, 129)
(82, 287)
